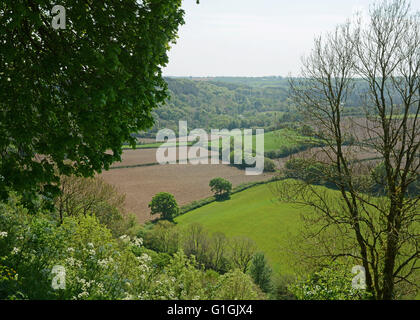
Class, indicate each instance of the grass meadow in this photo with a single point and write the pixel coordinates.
(257, 214)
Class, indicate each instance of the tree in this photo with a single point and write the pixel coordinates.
(164, 237)
(165, 204)
(381, 56)
(70, 98)
(218, 252)
(93, 196)
(242, 251)
(196, 243)
(236, 285)
(221, 187)
(261, 272)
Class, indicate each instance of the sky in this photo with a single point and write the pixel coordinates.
(254, 37)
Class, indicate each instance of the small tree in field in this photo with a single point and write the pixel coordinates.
(165, 204)
(221, 187)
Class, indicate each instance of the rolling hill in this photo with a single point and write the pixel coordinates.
(254, 213)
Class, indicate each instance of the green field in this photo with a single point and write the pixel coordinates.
(254, 213)
(274, 140)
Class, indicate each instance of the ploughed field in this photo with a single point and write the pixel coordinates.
(324, 155)
(139, 157)
(139, 177)
(186, 182)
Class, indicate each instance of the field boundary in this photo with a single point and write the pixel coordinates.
(155, 164)
(242, 187)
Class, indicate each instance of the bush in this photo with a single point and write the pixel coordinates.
(80, 196)
(236, 285)
(94, 262)
(331, 283)
(269, 165)
(286, 151)
(164, 237)
(164, 204)
(280, 289)
(98, 265)
(261, 272)
(221, 187)
(310, 171)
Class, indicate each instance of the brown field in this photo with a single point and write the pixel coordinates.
(146, 156)
(321, 154)
(186, 182)
(138, 156)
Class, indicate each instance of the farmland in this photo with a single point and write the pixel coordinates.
(257, 214)
(139, 177)
(134, 167)
(138, 157)
(274, 140)
(186, 182)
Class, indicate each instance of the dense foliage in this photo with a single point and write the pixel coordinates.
(73, 94)
(261, 271)
(234, 102)
(331, 283)
(206, 104)
(98, 265)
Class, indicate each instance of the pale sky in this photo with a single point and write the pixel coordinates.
(254, 37)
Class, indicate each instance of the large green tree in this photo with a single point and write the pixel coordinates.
(70, 97)
(165, 204)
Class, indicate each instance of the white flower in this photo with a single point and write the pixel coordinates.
(125, 238)
(70, 261)
(138, 241)
(145, 258)
(83, 295)
(103, 263)
(90, 245)
(70, 249)
(15, 250)
(3, 234)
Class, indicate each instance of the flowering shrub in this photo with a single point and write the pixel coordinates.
(332, 283)
(94, 264)
(97, 266)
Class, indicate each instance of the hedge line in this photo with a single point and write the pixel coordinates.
(242, 187)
